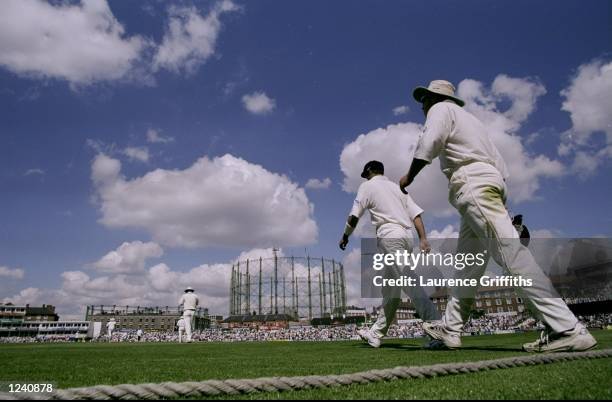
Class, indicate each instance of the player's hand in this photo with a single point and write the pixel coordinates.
(343, 243)
(403, 183)
(425, 246)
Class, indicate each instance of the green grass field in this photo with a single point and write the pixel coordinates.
(75, 365)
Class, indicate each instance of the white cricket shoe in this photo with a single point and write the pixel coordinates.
(576, 340)
(438, 332)
(369, 337)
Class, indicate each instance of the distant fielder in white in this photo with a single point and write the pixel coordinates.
(110, 327)
(139, 334)
(476, 174)
(394, 214)
(181, 328)
(190, 302)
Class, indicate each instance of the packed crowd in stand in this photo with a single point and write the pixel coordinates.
(585, 294)
(292, 334)
(480, 326)
(38, 339)
(492, 324)
(602, 321)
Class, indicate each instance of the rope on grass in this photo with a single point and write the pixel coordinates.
(173, 390)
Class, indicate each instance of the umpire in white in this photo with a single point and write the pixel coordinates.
(190, 302)
(476, 174)
(393, 214)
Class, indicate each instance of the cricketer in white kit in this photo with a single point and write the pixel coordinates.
(110, 327)
(477, 189)
(393, 214)
(190, 302)
(181, 328)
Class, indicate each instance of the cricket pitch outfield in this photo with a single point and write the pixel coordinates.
(85, 364)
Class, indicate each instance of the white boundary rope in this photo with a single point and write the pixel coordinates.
(173, 390)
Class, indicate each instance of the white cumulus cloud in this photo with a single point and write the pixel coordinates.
(588, 101)
(190, 38)
(258, 103)
(105, 170)
(26, 296)
(399, 110)
(155, 137)
(11, 273)
(137, 153)
(448, 232)
(526, 169)
(81, 43)
(224, 201)
(128, 258)
(257, 253)
(317, 184)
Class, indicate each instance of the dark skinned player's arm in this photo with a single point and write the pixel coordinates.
(415, 167)
(351, 224)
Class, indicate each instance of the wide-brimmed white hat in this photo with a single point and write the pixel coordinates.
(188, 289)
(439, 87)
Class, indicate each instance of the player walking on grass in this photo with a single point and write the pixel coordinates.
(393, 214)
(477, 173)
(190, 302)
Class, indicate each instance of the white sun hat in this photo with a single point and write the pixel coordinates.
(439, 87)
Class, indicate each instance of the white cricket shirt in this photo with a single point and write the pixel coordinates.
(458, 138)
(392, 211)
(189, 301)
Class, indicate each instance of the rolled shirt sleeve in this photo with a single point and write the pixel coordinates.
(361, 202)
(437, 129)
(413, 209)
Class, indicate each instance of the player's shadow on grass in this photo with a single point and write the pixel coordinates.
(403, 346)
(494, 348)
(390, 345)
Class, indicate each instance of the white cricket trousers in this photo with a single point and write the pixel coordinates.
(478, 192)
(188, 316)
(392, 295)
(180, 331)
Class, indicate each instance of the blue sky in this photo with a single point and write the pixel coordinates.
(168, 84)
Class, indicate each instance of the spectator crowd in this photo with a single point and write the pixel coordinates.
(478, 326)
